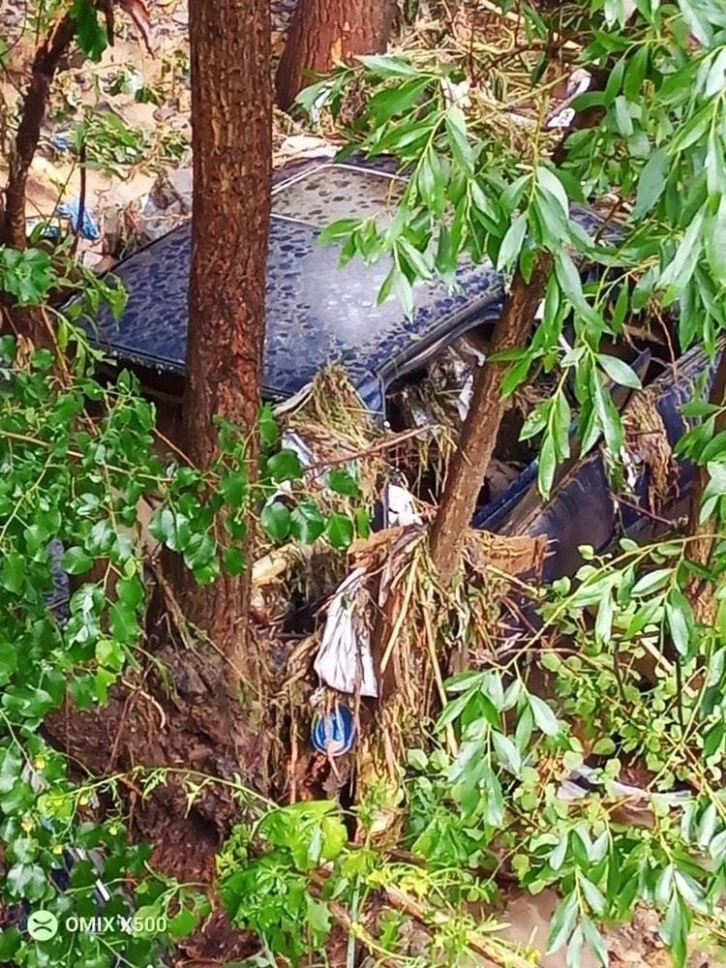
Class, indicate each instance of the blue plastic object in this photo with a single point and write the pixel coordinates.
(61, 142)
(334, 733)
(88, 226)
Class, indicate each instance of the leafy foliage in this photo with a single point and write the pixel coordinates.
(70, 494)
(475, 190)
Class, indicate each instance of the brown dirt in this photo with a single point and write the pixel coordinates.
(179, 720)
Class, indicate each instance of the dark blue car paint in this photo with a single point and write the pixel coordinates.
(317, 311)
(583, 509)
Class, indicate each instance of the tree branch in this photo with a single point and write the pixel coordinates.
(45, 65)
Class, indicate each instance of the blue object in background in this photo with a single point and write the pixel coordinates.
(89, 227)
(61, 142)
(334, 733)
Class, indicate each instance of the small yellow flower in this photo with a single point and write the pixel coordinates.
(40, 763)
(58, 849)
(84, 800)
(27, 823)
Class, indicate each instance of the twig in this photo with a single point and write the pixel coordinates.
(387, 444)
(400, 618)
(81, 198)
(431, 646)
(429, 917)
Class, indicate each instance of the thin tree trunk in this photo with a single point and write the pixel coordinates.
(479, 434)
(326, 32)
(232, 150)
(29, 321)
(32, 115)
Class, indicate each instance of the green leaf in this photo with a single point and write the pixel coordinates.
(339, 230)
(619, 371)
(557, 857)
(560, 420)
(342, 482)
(554, 187)
(397, 99)
(26, 881)
(458, 139)
(318, 919)
(76, 561)
(109, 653)
(680, 620)
(10, 941)
(622, 117)
(547, 466)
(651, 582)
(574, 949)
(183, 924)
(508, 754)
(340, 531)
(28, 275)
(417, 759)
(386, 66)
(13, 572)
(716, 242)
(234, 488)
(707, 826)
(199, 551)
(124, 623)
(563, 923)
(652, 182)
(680, 269)
(512, 244)
(284, 466)
(171, 528)
(593, 896)
(675, 930)
(269, 431)
(595, 941)
(569, 279)
(234, 561)
(275, 521)
(545, 720)
(90, 34)
(306, 522)
(131, 591)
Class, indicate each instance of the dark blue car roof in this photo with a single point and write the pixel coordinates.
(317, 311)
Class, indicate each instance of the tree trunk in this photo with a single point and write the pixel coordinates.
(232, 150)
(326, 32)
(32, 115)
(479, 434)
(30, 321)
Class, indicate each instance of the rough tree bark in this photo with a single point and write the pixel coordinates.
(325, 32)
(30, 322)
(479, 434)
(45, 64)
(232, 150)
